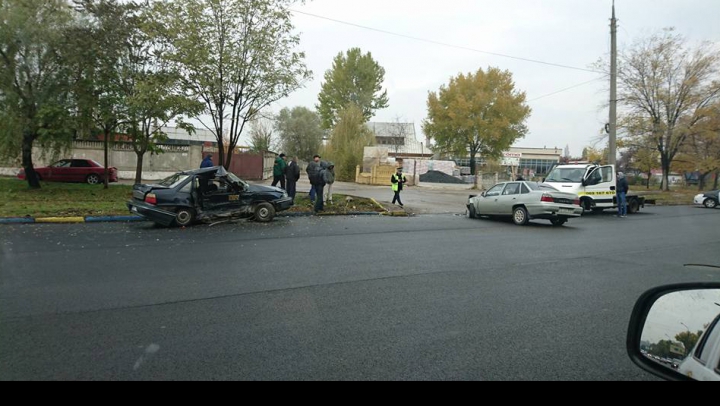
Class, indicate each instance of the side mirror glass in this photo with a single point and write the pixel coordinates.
(675, 334)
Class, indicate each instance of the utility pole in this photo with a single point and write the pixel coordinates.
(613, 89)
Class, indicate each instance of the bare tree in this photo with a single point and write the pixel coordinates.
(262, 137)
(665, 86)
(398, 132)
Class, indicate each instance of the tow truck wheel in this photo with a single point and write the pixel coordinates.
(264, 212)
(586, 205)
(633, 206)
(184, 217)
(710, 203)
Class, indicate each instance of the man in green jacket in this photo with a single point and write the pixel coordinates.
(279, 171)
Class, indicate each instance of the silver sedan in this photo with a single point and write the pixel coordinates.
(525, 201)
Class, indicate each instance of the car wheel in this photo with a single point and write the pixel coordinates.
(710, 203)
(558, 222)
(92, 179)
(264, 212)
(472, 213)
(520, 216)
(184, 217)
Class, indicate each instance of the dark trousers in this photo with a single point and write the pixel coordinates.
(397, 198)
(291, 189)
(280, 179)
(319, 189)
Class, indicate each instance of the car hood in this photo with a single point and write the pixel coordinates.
(264, 189)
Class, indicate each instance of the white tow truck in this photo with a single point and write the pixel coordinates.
(594, 184)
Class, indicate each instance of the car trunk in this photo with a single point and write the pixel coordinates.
(140, 191)
(563, 198)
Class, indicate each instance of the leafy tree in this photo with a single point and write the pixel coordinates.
(300, 132)
(35, 81)
(236, 57)
(664, 86)
(480, 113)
(347, 143)
(689, 340)
(354, 79)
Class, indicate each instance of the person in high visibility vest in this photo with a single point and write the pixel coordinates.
(398, 180)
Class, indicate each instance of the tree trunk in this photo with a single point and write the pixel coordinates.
(666, 174)
(30, 174)
(648, 179)
(221, 155)
(106, 181)
(139, 167)
(717, 175)
(230, 154)
(701, 181)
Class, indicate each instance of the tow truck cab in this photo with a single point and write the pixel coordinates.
(595, 184)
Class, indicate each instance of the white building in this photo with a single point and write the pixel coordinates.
(400, 140)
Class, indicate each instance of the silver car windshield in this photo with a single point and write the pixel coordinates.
(559, 174)
(540, 186)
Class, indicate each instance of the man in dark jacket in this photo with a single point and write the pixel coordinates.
(313, 170)
(279, 171)
(207, 162)
(292, 176)
(622, 189)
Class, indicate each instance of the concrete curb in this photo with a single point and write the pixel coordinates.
(70, 220)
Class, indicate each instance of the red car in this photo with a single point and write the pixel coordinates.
(74, 170)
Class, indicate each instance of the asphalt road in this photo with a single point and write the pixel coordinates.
(434, 297)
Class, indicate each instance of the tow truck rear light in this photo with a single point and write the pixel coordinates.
(151, 198)
(547, 199)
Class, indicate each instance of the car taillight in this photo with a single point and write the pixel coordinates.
(151, 198)
(547, 199)
(576, 202)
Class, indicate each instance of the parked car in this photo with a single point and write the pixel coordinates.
(187, 197)
(709, 199)
(74, 170)
(525, 201)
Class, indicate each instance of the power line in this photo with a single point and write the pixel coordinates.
(567, 88)
(445, 44)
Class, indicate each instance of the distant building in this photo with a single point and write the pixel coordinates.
(181, 137)
(400, 140)
(529, 161)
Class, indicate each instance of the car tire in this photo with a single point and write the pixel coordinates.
(264, 212)
(710, 203)
(92, 179)
(184, 217)
(586, 205)
(558, 222)
(520, 216)
(472, 213)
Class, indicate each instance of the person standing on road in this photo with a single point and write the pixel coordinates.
(207, 162)
(279, 171)
(292, 176)
(398, 180)
(312, 170)
(621, 190)
(319, 186)
(329, 179)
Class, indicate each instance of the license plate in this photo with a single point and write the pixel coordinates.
(567, 211)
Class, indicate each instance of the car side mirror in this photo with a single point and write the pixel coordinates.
(673, 329)
(483, 194)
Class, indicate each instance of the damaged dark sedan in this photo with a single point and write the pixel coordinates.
(204, 194)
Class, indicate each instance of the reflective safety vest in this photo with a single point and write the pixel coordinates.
(398, 179)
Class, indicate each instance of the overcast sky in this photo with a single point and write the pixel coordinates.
(575, 33)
